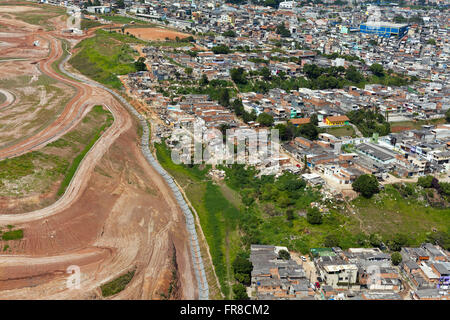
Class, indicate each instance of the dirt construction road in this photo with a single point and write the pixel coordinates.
(117, 214)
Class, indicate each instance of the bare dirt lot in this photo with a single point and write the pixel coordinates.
(117, 214)
(152, 34)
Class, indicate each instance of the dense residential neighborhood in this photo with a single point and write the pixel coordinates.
(310, 139)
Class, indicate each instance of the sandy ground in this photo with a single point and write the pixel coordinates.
(9, 98)
(117, 214)
(156, 33)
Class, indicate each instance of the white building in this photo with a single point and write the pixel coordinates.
(287, 5)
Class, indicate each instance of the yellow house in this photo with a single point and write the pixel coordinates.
(337, 120)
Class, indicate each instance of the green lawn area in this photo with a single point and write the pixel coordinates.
(388, 213)
(341, 131)
(87, 24)
(105, 56)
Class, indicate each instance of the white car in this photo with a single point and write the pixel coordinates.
(303, 258)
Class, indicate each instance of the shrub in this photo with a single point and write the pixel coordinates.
(367, 185)
(396, 258)
(314, 216)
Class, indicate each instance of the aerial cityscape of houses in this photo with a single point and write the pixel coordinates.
(352, 92)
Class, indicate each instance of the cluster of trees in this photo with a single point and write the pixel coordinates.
(282, 191)
(229, 33)
(238, 76)
(367, 185)
(347, 57)
(288, 131)
(221, 49)
(314, 216)
(265, 119)
(427, 182)
(96, 3)
(369, 122)
(282, 30)
(332, 77)
(242, 268)
(447, 115)
(140, 64)
(239, 110)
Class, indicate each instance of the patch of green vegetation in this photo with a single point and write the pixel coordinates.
(87, 24)
(119, 284)
(105, 56)
(5, 247)
(76, 162)
(38, 171)
(218, 216)
(340, 131)
(369, 122)
(12, 235)
(401, 210)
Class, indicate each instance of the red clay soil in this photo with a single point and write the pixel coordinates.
(117, 214)
(156, 33)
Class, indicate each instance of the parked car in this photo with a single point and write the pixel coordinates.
(303, 258)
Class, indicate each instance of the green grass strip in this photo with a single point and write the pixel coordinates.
(76, 162)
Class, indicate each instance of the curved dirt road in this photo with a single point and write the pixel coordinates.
(114, 250)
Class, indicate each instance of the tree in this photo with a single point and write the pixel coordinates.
(308, 131)
(242, 268)
(120, 4)
(240, 292)
(283, 254)
(140, 64)
(396, 258)
(377, 69)
(425, 182)
(398, 241)
(290, 215)
(314, 216)
(224, 97)
(353, 75)
(431, 41)
(265, 119)
(229, 33)
(331, 240)
(188, 71)
(265, 73)
(447, 115)
(314, 119)
(238, 75)
(221, 49)
(238, 107)
(367, 185)
(204, 80)
(375, 240)
(283, 31)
